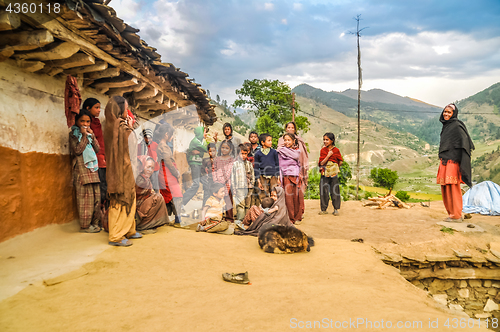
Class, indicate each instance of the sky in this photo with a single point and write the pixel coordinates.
(434, 51)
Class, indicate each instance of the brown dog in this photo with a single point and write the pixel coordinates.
(280, 239)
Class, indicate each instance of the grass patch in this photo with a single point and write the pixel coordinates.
(421, 197)
(447, 230)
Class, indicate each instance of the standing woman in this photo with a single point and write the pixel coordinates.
(121, 155)
(454, 167)
(223, 168)
(291, 128)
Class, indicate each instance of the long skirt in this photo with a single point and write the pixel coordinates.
(152, 213)
(294, 197)
(121, 223)
(449, 177)
(88, 202)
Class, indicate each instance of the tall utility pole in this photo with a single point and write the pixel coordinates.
(360, 82)
(293, 106)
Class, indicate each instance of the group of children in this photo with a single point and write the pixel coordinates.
(238, 180)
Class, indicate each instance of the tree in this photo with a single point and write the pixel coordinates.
(271, 102)
(384, 177)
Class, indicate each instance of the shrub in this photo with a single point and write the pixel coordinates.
(402, 196)
(345, 173)
(312, 191)
(384, 177)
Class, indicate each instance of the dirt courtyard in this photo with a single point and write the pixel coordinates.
(171, 280)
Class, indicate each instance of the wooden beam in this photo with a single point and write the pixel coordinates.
(120, 91)
(110, 72)
(77, 60)
(60, 31)
(157, 99)
(148, 107)
(146, 93)
(30, 66)
(9, 21)
(50, 71)
(26, 40)
(140, 86)
(6, 52)
(116, 83)
(98, 66)
(55, 51)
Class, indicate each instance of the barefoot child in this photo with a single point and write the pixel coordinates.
(83, 147)
(212, 211)
(291, 178)
(330, 161)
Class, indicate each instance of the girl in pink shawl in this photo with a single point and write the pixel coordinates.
(291, 179)
(291, 128)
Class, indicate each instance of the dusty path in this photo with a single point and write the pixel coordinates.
(171, 281)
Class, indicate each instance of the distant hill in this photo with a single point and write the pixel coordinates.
(390, 110)
(481, 114)
(487, 167)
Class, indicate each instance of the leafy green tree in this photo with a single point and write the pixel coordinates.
(384, 177)
(345, 173)
(271, 102)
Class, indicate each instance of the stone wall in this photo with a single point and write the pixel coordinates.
(466, 283)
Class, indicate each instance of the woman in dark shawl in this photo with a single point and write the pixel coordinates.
(279, 217)
(455, 161)
(151, 207)
(121, 155)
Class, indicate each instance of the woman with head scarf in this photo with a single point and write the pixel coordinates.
(121, 157)
(279, 217)
(228, 134)
(300, 145)
(455, 161)
(151, 207)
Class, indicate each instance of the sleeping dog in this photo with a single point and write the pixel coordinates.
(280, 239)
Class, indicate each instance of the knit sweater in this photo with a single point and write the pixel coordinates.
(266, 165)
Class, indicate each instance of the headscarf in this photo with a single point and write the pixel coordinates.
(455, 140)
(121, 155)
(142, 162)
(279, 217)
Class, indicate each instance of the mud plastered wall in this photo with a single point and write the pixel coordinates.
(35, 171)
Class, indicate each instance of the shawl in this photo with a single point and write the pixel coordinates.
(456, 145)
(304, 156)
(95, 125)
(279, 217)
(289, 161)
(72, 100)
(143, 187)
(89, 155)
(121, 156)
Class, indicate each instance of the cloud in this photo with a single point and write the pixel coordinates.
(222, 43)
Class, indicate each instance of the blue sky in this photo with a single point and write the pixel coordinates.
(435, 51)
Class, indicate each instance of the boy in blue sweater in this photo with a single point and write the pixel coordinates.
(266, 166)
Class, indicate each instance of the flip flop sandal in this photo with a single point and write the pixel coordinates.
(122, 243)
(91, 229)
(237, 278)
(137, 235)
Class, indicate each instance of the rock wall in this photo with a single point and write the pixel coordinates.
(465, 283)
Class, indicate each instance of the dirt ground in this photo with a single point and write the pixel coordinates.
(171, 280)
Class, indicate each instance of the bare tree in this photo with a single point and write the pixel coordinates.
(360, 83)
